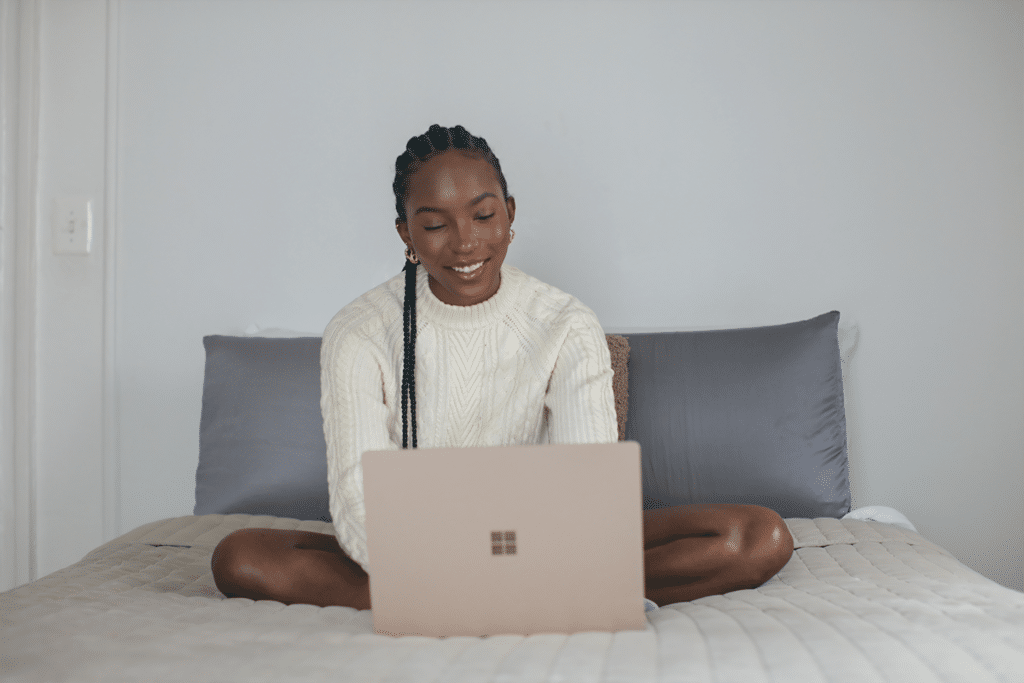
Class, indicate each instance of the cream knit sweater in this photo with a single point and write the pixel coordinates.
(529, 365)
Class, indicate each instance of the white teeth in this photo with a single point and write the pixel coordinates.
(468, 269)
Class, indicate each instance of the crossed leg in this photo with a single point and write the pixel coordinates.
(690, 551)
(289, 566)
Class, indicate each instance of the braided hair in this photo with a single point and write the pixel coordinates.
(418, 150)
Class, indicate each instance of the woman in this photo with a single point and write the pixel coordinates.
(501, 359)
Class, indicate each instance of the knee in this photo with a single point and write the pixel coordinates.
(232, 563)
(769, 544)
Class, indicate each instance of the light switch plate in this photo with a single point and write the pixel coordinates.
(72, 225)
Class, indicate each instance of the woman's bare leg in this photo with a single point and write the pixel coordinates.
(691, 551)
(289, 566)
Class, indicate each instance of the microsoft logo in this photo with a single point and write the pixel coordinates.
(503, 543)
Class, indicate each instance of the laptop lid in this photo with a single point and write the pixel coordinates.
(511, 539)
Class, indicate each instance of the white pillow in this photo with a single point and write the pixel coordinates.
(255, 330)
(881, 513)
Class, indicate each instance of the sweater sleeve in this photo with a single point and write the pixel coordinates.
(579, 396)
(355, 421)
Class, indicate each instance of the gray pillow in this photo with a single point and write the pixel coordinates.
(261, 435)
(751, 415)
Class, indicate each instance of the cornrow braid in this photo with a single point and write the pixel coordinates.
(437, 139)
(418, 150)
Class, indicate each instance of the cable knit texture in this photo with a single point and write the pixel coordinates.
(529, 365)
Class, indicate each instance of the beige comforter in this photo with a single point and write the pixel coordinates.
(859, 601)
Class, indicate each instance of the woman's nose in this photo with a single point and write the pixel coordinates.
(466, 236)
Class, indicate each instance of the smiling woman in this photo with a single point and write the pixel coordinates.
(505, 359)
(461, 218)
(449, 175)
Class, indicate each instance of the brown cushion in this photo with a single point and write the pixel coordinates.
(619, 348)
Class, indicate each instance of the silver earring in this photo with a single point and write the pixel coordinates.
(413, 258)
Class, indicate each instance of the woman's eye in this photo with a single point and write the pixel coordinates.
(483, 218)
(432, 227)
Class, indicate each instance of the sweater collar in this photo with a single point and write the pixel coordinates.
(483, 314)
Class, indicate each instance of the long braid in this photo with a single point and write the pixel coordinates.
(418, 150)
(409, 367)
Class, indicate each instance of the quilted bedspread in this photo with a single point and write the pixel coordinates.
(858, 601)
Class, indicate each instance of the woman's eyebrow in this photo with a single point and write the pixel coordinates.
(482, 197)
(476, 200)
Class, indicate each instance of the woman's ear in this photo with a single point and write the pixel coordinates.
(510, 208)
(403, 232)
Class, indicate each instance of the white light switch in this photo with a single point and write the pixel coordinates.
(72, 225)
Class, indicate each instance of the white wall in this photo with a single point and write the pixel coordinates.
(675, 165)
(69, 467)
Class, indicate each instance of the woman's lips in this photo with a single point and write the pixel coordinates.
(471, 274)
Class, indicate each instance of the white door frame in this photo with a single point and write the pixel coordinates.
(111, 404)
(19, 154)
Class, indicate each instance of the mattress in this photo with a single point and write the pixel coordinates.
(858, 601)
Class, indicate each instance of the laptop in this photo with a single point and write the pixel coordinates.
(505, 540)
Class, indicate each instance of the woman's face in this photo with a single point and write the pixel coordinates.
(457, 217)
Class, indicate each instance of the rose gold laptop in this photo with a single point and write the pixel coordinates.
(516, 539)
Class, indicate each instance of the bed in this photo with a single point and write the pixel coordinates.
(864, 597)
